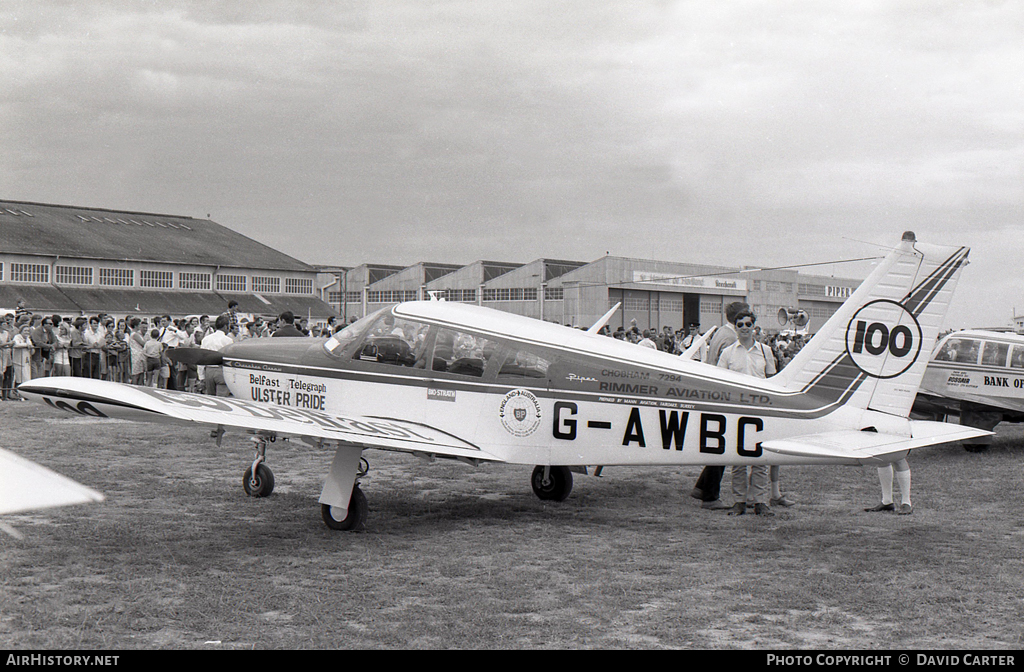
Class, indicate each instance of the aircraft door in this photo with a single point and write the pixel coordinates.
(456, 364)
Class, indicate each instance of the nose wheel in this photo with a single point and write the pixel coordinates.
(258, 480)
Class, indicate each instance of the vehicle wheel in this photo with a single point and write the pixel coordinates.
(262, 485)
(557, 487)
(354, 519)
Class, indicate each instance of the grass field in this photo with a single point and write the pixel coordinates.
(461, 557)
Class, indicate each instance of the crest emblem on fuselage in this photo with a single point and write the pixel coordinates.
(884, 339)
(520, 413)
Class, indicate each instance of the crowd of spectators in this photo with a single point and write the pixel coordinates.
(783, 345)
(131, 350)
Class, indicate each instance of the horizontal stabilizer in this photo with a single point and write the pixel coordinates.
(871, 447)
(25, 486)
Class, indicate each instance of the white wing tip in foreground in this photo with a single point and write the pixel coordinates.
(25, 485)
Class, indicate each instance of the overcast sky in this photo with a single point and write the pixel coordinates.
(396, 131)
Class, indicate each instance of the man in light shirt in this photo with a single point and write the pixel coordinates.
(217, 340)
(709, 484)
(749, 356)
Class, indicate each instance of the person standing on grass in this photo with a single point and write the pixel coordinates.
(22, 355)
(6, 368)
(709, 484)
(902, 468)
(753, 358)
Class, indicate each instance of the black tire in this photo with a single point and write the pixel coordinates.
(557, 488)
(355, 519)
(262, 485)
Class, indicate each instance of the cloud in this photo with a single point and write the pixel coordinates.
(739, 132)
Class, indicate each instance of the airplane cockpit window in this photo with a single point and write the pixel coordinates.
(994, 354)
(524, 364)
(960, 350)
(462, 353)
(394, 340)
(336, 343)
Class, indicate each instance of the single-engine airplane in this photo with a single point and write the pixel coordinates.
(977, 375)
(450, 380)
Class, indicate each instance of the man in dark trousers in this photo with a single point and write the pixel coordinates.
(709, 485)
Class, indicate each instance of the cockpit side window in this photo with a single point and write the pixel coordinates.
(522, 364)
(462, 353)
(394, 340)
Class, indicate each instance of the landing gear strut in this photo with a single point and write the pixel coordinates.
(552, 483)
(258, 480)
(353, 519)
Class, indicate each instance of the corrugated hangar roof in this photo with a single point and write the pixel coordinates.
(90, 233)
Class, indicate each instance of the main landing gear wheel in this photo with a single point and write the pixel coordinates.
(260, 485)
(552, 483)
(355, 518)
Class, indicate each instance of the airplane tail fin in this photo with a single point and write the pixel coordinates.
(872, 352)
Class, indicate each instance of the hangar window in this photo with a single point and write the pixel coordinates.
(193, 280)
(30, 273)
(73, 275)
(156, 279)
(298, 285)
(117, 277)
(262, 283)
(230, 283)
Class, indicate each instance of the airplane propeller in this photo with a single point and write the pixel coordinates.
(195, 356)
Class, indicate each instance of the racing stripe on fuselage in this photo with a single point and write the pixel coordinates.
(918, 298)
(710, 394)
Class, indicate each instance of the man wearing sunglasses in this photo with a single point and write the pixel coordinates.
(709, 485)
(747, 355)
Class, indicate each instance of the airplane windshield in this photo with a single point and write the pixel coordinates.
(336, 343)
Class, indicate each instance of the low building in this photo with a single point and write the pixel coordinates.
(84, 261)
(654, 294)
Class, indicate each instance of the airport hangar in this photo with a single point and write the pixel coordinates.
(72, 261)
(654, 293)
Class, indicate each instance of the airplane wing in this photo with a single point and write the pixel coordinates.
(25, 485)
(871, 447)
(101, 398)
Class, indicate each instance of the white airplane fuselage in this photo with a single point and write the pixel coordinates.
(587, 400)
